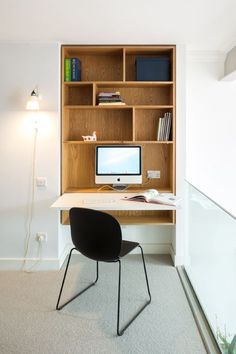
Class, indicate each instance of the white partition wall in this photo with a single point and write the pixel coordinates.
(211, 262)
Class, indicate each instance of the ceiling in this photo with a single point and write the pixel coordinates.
(202, 24)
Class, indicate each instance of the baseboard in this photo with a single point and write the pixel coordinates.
(56, 263)
(31, 264)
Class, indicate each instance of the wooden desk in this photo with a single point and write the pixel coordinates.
(113, 203)
(104, 201)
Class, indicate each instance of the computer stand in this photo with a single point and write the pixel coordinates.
(120, 187)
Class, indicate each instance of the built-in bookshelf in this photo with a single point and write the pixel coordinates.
(110, 69)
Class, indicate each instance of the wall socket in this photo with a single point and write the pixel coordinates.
(41, 181)
(153, 174)
(41, 237)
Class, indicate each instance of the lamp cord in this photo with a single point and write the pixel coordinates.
(31, 203)
(107, 186)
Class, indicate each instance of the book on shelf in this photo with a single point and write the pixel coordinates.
(164, 127)
(75, 69)
(111, 104)
(109, 94)
(153, 196)
(67, 69)
(72, 69)
(110, 98)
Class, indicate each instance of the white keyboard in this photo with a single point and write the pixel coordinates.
(98, 201)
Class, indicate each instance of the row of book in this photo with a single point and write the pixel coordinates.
(72, 69)
(164, 127)
(110, 98)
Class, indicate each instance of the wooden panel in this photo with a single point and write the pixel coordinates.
(109, 124)
(97, 50)
(132, 54)
(65, 168)
(124, 64)
(101, 67)
(81, 162)
(134, 218)
(173, 157)
(134, 84)
(131, 95)
(78, 95)
(157, 157)
(149, 49)
(107, 189)
(146, 123)
(65, 125)
(81, 159)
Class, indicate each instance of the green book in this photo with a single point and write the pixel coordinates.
(67, 69)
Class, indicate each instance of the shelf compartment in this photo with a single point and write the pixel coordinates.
(157, 157)
(133, 53)
(141, 95)
(81, 159)
(78, 94)
(81, 171)
(98, 63)
(110, 125)
(146, 124)
(162, 217)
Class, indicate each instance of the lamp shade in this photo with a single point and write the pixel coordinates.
(33, 102)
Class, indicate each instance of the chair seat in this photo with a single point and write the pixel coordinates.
(126, 247)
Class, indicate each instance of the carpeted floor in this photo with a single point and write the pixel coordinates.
(29, 323)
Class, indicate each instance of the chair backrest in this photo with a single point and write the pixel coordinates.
(95, 234)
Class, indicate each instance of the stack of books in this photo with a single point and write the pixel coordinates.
(72, 69)
(110, 98)
(164, 127)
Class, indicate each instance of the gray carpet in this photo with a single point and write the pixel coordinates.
(29, 323)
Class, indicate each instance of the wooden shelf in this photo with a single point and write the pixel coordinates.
(136, 189)
(108, 69)
(98, 142)
(97, 107)
(133, 220)
(118, 107)
(134, 84)
(144, 220)
(119, 83)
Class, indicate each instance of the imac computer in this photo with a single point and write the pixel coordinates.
(119, 165)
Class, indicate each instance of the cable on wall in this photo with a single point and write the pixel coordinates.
(32, 105)
(32, 199)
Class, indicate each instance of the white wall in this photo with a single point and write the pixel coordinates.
(211, 129)
(22, 66)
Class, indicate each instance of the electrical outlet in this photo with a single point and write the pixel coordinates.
(41, 237)
(41, 181)
(153, 174)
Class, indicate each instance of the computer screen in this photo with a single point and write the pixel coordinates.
(118, 164)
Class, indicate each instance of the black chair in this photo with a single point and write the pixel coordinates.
(98, 236)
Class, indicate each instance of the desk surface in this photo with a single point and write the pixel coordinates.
(104, 201)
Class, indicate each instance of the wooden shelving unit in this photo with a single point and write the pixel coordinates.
(112, 68)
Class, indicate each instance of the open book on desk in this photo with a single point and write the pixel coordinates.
(153, 196)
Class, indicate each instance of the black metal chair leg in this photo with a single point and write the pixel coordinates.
(145, 271)
(121, 331)
(63, 281)
(118, 308)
